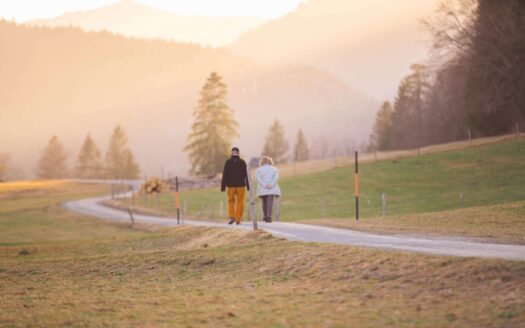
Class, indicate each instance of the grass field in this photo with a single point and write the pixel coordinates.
(29, 213)
(97, 274)
(416, 188)
(288, 169)
(503, 223)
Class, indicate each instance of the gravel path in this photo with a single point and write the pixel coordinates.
(310, 233)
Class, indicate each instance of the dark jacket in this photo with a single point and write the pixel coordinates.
(235, 174)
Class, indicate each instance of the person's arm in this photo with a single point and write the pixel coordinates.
(275, 179)
(224, 172)
(258, 176)
(246, 176)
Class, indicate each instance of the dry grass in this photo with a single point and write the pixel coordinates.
(30, 185)
(34, 215)
(498, 223)
(183, 277)
(147, 276)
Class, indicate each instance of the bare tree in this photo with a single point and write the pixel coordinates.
(320, 148)
(488, 38)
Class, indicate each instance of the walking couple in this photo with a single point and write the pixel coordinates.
(235, 177)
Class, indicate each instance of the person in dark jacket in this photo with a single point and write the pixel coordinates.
(235, 177)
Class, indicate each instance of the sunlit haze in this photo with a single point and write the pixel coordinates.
(23, 10)
(323, 66)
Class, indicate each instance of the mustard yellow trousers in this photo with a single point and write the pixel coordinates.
(236, 202)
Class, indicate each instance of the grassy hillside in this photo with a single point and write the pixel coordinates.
(487, 175)
(98, 274)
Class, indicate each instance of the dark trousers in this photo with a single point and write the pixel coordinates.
(267, 205)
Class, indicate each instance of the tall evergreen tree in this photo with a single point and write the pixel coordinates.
(407, 127)
(213, 129)
(495, 85)
(4, 162)
(89, 162)
(131, 168)
(53, 163)
(120, 163)
(381, 131)
(300, 151)
(276, 145)
(483, 44)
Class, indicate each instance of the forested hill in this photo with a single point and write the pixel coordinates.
(95, 80)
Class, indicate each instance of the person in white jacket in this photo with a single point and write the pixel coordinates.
(267, 185)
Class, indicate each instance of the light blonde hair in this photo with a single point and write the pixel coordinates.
(265, 160)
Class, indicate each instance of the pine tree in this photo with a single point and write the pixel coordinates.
(381, 131)
(89, 162)
(4, 161)
(276, 145)
(407, 126)
(213, 129)
(53, 163)
(120, 163)
(131, 168)
(300, 152)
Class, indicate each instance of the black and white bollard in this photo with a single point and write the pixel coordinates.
(177, 199)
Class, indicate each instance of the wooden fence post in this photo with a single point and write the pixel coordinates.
(185, 210)
(324, 208)
(252, 200)
(383, 204)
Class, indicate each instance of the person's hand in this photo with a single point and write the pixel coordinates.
(268, 186)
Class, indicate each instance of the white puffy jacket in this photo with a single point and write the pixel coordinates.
(267, 180)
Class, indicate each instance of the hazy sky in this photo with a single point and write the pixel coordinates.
(23, 10)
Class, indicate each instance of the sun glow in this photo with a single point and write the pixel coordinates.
(23, 10)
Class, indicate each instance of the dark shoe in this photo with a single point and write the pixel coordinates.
(237, 222)
(269, 219)
(231, 221)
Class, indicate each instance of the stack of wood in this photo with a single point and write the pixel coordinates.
(154, 185)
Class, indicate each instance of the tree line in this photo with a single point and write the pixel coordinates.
(119, 162)
(215, 128)
(473, 85)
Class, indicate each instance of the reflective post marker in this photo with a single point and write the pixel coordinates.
(177, 199)
(356, 187)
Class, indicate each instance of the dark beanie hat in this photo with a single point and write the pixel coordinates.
(235, 149)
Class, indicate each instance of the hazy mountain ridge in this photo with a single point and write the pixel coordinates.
(93, 81)
(137, 20)
(369, 45)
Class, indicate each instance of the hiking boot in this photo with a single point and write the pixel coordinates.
(231, 221)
